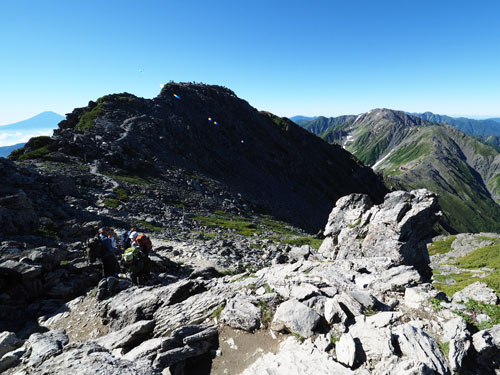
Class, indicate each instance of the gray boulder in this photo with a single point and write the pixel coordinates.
(90, 359)
(399, 228)
(8, 342)
(241, 313)
(185, 343)
(487, 345)
(46, 345)
(296, 317)
(129, 336)
(345, 350)
(417, 345)
(477, 291)
(456, 333)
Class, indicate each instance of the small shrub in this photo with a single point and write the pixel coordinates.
(436, 304)
(111, 202)
(445, 348)
(266, 314)
(298, 336)
(441, 246)
(122, 194)
(216, 313)
(87, 119)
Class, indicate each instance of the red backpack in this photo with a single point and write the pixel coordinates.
(144, 240)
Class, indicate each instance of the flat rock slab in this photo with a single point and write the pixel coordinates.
(296, 359)
(91, 359)
(129, 336)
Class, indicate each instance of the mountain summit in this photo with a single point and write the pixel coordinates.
(205, 130)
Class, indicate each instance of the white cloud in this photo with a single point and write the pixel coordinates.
(12, 138)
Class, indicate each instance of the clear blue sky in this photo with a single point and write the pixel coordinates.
(288, 57)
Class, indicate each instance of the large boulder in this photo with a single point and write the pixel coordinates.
(399, 228)
(296, 317)
(477, 291)
(241, 313)
(419, 346)
(46, 345)
(487, 345)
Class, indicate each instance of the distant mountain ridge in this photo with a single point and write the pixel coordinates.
(412, 152)
(44, 120)
(19, 132)
(6, 150)
(467, 125)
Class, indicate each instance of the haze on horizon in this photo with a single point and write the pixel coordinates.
(291, 58)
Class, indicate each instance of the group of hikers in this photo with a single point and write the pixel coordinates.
(127, 253)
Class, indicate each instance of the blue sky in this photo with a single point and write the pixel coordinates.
(287, 57)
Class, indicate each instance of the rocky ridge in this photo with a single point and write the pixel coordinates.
(360, 313)
(411, 152)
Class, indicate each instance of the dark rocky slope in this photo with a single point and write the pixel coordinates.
(274, 164)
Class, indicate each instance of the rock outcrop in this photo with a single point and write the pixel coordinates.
(398, 229)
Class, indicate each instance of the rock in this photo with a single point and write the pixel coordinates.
(147, 350)
(399, 228)
(192, 310)
(296, 359)
(134, 304)
(89, 359)
(8, 342)
(46, 345)
(185, 343)
(417, 345)
(242, 314)
(304, 291)
(487, 345)
(401, 366)
(415, 297)
(334, 312)
(350, 305)
(477, 291)
(456, 333)
(129, 336)
(11, 359)
(299, 253)
(345, 349)
(372, 341)
(296, 317)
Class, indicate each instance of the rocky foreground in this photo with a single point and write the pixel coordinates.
(362, 304)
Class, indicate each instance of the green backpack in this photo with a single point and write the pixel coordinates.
(132, 259)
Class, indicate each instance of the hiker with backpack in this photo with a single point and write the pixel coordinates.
(101, 248)
(135, 259)
(126, 240)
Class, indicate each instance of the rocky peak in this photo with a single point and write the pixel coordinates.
(207, 130)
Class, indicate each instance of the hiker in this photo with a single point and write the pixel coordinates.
(125, 237)
(110, 266)
(115, 241)
(135, 259)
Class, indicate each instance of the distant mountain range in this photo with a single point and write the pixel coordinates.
(467, 125)
(6, 150)
(412, 152)
(12, 135)
(301, 118)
